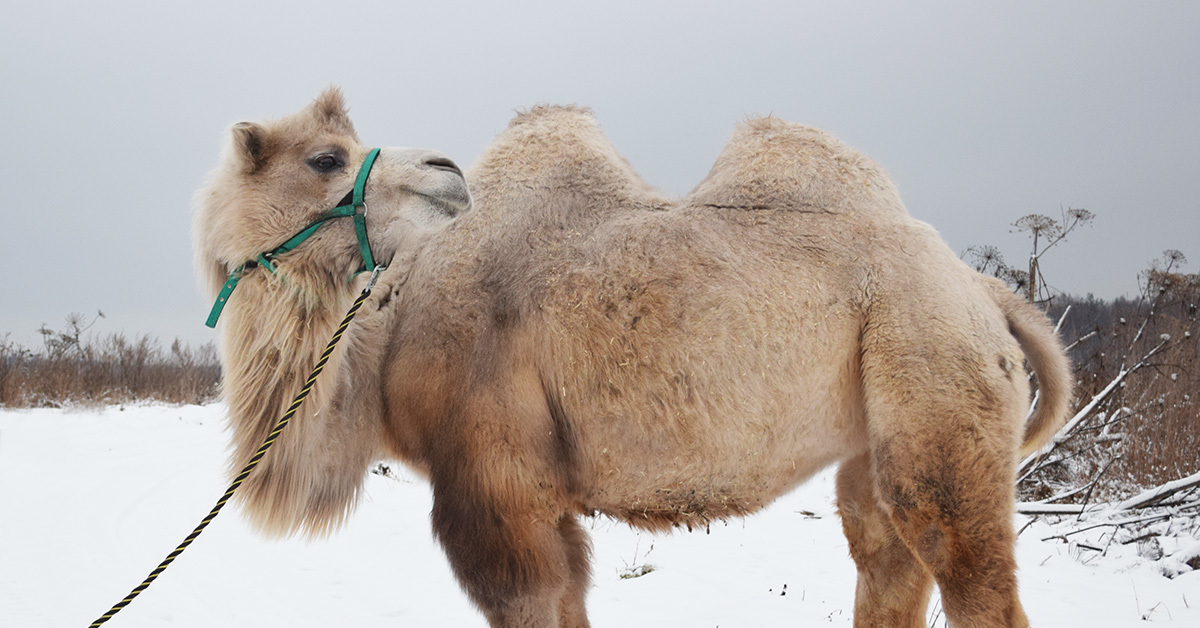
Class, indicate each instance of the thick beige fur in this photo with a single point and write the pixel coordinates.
(580, 343)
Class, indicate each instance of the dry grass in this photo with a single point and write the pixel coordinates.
(71, 368)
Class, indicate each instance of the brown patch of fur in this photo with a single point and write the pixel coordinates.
(583, 344)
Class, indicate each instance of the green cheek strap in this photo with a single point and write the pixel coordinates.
(265, 258)
(360, 218)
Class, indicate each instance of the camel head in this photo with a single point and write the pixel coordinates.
(276, 178)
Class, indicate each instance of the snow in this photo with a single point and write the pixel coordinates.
(92, 499)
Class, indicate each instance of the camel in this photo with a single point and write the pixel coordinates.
(558, 339)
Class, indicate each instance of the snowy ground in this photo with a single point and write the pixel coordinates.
(91, 501)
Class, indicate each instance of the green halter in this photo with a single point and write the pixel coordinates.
(350, 208)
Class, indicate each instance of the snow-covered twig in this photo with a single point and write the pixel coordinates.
(1046, 506)
(1062, 318)
(1070, 493)
(1090, 334)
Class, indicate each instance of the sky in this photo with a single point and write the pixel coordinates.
(112, 114)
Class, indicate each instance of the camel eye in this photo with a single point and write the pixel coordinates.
(325, 163)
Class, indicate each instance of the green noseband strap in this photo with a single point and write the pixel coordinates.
(265, 258)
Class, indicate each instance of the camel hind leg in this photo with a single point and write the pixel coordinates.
(955, 515)
(943, 421)
(893, 585)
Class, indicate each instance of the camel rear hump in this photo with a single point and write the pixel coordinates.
(770, 163)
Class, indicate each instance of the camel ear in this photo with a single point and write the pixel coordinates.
(250, 145)
(330, 110)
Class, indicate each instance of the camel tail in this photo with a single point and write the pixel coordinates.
(1046, 356)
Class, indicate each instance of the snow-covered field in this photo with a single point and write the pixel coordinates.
(91, 501)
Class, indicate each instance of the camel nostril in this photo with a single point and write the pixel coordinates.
(441, 163)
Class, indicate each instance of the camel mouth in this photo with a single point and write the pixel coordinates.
(454, 198)
(432, 180)
(452, 203)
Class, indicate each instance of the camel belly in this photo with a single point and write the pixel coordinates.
(672, 455)
(690, 492)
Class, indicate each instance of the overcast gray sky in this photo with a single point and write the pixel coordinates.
(111, 114)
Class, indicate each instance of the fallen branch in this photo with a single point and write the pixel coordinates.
(1062, 319)
(1038, 508)
(1156, 494)
(1114, 524)
(1066, 494)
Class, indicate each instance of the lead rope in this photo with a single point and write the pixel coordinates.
(337, 336)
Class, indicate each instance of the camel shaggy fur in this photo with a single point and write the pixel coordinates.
(581, 344)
